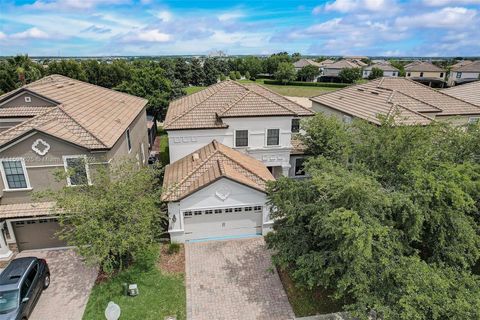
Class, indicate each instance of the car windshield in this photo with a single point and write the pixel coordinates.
(8, 301)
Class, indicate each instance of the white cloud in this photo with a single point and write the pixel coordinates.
(2, 35)
(358, 5)
(164, 15)
(152, 35)
(73, 4)
(230, 16)
(450, 17)
(32, 33)
(440, 3)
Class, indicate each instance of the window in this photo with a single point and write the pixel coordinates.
(218, 211)
(77, 170)
(459, 75)
(129, 142)
(347, 119)
(143, 153)
(295, 125)
(28, 99)
(208, 211)
(441, 74)
(187, 214)
(421, 74)
(273, 137)
(257, 208)
(238, 209)
(228, 210)
(14, 174)
(248, 209)
(241, 138)
(473, 120)
(408, 74)
(197, 213)
(300, 167)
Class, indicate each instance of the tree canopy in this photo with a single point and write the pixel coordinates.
(350, 75)
(388, 220)
(308, 73)
(285, 73)
(375, 73)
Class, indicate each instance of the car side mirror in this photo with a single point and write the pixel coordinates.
(25, 299)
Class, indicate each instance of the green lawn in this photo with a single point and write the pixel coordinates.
(160, 295)
(296, 91)
(308, 302)
(164, 152)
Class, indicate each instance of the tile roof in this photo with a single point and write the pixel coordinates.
(26, 209)
(469, 92)
(408, 101)
(208, 164)
(468, 67)
(459, 64)
(22, 111)
(206, 108)
(382, 66)
(342, 64)
(89, 115)
(306, 62)
(422, 66)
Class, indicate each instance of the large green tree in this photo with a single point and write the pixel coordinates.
(197, 73)
(350, 75)
(285, 72)
(211, 72)
(388, 220)
(308, 73)
(114, 219)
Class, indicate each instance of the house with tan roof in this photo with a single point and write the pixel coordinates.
(425, 72)
(305, 62)
(387, 68)
(226, 142)
(463, 72)
(406, 101)
(58, 123)
(332, 70)
(469, 92)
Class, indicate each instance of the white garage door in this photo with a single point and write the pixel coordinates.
(222, 222)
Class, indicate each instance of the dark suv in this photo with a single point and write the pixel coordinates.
(21, 284)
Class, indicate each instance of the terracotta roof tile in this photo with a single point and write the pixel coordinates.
(209, 163)
(97, 116)
(205, 108)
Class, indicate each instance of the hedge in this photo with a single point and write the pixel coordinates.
(309, 84)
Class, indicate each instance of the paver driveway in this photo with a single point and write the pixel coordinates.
(233, 280)
(70, 286)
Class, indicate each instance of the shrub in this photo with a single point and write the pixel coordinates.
(173, 248)
(146, 259)
(232, 75)
(238, 75)
(223, 77)
(247, 75)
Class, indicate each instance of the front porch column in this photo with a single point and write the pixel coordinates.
(5, 252)
(286, 169)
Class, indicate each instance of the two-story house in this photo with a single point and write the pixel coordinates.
(463, 72)
(57, 123)
(226, 142)
(425, 72)
(387, 68)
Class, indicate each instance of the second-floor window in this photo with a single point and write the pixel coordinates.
(129, 142)
(459, 75)
(441, 75)
(77, 170)
(421, 74)
(241, 138)
(14, 174)
(295, 125)
(273, 137)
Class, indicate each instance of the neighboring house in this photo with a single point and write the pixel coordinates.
(409, 102)
(463, 72)
(332, 70)
(225, 143)
(388, 70)
(57, 123)
(469, 92)
(426, 73)
(305, 62)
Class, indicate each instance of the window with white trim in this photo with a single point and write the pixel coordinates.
(295, 125)
(247, 209)
(228, 210)
(14, 174)
(187, 214)
(208, 211)
(218, 211)
(459, 75)
(77, 170)
(197, 213)
(299, 167)
(241, 138)
(129, 141)
(257, 208)
(273, 137)
(237, 210)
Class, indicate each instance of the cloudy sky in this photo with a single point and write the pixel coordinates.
(331, 27)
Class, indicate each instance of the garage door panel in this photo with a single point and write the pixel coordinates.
(37, 234)
(221, 224)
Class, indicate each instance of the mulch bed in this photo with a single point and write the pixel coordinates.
(172, 263)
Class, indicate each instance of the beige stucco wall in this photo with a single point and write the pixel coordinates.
(426, 74)
(317, 107)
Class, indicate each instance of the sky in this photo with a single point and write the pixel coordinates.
(182, 27)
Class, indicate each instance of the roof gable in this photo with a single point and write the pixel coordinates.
(207, 165)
